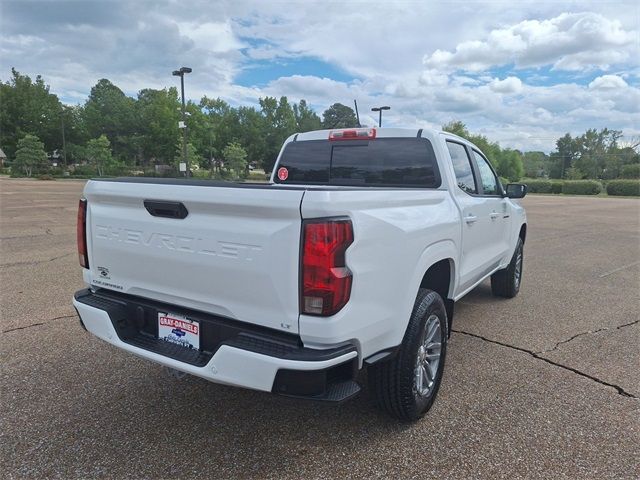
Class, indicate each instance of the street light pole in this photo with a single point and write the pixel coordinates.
(180, 73)
(380, 109)
(64, 143)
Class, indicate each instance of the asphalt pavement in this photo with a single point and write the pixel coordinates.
(545, 385)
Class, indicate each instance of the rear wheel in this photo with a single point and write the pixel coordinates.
(506, 282)
(406, 386)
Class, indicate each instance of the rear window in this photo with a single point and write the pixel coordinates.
(384, 162)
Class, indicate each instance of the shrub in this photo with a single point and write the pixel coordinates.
(117, 169)
(582, 187)
(84, 171)
(624, 187)
(257, 177)
(631, 171)
(556, 186)
(538, 186)
(45, 176)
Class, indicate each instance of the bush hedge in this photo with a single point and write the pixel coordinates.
(556, 186)
(624, 187)
(582, 187)
(538, 186)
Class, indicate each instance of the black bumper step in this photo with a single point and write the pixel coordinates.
(135, 321)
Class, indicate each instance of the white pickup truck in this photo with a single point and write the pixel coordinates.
(350, 258)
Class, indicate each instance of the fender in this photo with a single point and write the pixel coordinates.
(441, 250)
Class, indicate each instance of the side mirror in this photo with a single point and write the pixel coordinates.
(516, 190)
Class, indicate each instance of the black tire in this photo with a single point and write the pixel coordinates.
(506, 282)
(393, 383)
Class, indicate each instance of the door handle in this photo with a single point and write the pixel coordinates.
(161, 208)
(471, 219)
(494, 215)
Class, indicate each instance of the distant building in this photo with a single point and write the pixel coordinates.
(3, 157)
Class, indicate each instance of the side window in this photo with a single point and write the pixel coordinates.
(462, 167)
(487, 177)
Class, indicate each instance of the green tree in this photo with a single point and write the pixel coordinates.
(235, 158)
(339, 116)
(27, 107)
(192, 153)
(306, 119)
(252, 139)
(158, 114)
(457, 128)
(573, 173)
(631, 170)
(279, 123)
(200, 133)
(567, 151)
(75, 133)
(98, 152)
(535, 164)
(30, 155)
(223, 125)
(597, 149)
(108, 111)
(509, 164)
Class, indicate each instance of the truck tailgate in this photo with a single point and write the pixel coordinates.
(235, 254)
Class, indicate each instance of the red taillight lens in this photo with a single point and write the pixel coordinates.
(326, 280)
(81, 232)
(353, 134)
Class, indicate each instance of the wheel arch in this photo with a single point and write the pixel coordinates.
(437, 271)
(523, 232)
(440, 277)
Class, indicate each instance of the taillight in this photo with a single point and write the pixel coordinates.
(326, 280)
(353, 134)
(81, 233)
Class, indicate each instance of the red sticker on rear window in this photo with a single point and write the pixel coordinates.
(283, 174)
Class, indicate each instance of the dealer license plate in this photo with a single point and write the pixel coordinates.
(179, 329)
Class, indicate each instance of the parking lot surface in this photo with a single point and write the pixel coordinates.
(543, 385)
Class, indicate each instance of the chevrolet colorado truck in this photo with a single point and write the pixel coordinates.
(351, 258)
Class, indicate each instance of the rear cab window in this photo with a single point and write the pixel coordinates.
(382, 162)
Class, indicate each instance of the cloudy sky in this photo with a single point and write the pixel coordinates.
(521, 72)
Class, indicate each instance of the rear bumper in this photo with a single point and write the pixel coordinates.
(234, 353)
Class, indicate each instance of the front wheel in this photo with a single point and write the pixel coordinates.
(506, 282)
(406, 386)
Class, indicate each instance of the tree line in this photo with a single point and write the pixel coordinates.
(113, 133)
(596, 154)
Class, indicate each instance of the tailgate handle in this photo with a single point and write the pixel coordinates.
(159, 208)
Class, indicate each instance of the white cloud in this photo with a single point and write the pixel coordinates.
(434, 77)
(608, 82)
(135, 46)
(508, 85)
(568, 41)
(215, 37)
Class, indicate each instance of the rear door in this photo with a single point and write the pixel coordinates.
(477, 258)
(497, 206)
(235, 253)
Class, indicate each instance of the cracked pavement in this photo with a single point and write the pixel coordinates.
(542, 386)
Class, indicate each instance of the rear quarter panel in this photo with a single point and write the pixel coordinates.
(398, 234)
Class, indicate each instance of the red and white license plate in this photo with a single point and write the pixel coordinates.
(179, 329)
